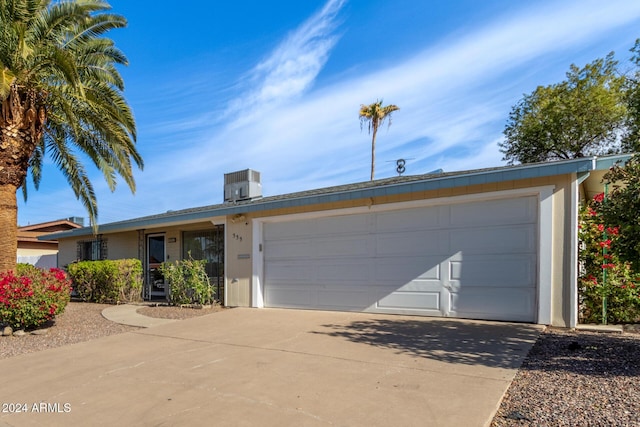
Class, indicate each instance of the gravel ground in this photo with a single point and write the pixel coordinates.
(167, 312)
(83, 321)
(573, 378)
(569, 378)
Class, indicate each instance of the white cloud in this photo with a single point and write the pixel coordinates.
(292, 67)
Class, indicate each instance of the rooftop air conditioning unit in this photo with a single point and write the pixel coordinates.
(242, 185)
(76, 219)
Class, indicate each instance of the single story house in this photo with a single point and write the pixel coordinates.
(42, 253)
(497, 244)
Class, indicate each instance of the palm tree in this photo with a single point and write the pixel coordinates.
(60, 95)
(375, 115)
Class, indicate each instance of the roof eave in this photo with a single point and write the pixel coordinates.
(430, 182)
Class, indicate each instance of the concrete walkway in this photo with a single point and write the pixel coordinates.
(271, 367)
(127, 314)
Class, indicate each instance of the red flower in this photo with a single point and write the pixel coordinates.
(600, 227)
(605, 243)
(598, 198)
(592, 212)
(613, 230)
(609, 265)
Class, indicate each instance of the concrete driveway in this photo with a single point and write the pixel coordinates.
(269, 367)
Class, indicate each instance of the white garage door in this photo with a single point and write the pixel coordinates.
(472, 260)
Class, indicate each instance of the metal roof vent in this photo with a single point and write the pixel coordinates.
(242, 185)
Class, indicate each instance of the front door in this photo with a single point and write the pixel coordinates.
(156, 255)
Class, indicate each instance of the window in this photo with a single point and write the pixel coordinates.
(209, 245)
(92, 250)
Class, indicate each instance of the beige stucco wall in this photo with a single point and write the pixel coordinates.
(238, 250)
(35, 252)
(122, 245)
(66, 251)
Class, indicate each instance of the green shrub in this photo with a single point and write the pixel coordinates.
(188, 281)
(609, 292)
(33, 296)
(107, 281)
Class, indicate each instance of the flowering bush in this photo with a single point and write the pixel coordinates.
(609, 290)
(33, 296)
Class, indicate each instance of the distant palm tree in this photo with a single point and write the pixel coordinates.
(62, 96)
(375, 115)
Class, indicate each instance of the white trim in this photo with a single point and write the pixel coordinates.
(573, 255)
(257, 268)
(545, 235)
(545, 254)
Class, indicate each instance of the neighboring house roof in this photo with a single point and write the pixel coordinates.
(582, 167)
(50, 226)
(30, 233)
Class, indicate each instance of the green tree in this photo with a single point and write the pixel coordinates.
(583, 115)
(622, 207)
(61, 96)
(631, 141)
(375, 115)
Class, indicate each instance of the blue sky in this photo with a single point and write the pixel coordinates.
(276, 87)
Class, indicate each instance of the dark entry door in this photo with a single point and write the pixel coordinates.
(156, 255)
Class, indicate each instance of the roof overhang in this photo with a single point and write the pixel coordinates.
(586, 168)
(593, 182)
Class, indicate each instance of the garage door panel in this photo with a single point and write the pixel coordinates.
(287, 272)
(404, 270)
(288, 249)
(341, 271)
(288, 296)
(494, 303)
(353, 246)
(480, 270)
(427, 301)
(495, 240)
(349, 246)
(494, 212)
(411, 219)
(348, 297)
(345, 224)
(407, 243)
(288, 230)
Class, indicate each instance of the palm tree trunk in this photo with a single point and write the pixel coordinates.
(8, 227)
(373, 152)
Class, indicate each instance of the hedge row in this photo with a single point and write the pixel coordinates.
(108, 281)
